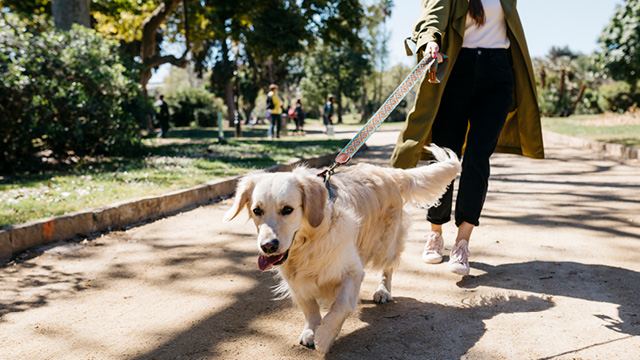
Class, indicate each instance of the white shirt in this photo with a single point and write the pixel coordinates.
(491, 35)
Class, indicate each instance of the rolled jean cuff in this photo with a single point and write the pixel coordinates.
(438, 221)
(473, 222)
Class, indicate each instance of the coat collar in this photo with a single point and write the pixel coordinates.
(462, 7)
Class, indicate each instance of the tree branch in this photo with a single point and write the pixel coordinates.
(158, 60)
(151, 24)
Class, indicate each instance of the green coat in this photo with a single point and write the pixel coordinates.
(444, 21)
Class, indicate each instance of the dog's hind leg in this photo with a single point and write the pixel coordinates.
(345, 302)
(312, 318)
(383, 294)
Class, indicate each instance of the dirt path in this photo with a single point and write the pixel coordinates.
(555, 275)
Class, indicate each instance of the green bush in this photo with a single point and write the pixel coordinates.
(617, 97)
(194, 106)
(63, 93)
(589, 103)
(206, 117)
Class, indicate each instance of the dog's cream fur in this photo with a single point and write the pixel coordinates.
(330, 241)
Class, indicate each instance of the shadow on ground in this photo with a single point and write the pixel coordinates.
(37, 288)
(414, 329)
(598, 283)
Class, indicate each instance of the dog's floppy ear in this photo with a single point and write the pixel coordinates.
(243, 196)
(314, 199)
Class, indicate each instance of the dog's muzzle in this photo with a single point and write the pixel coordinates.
(265, 262)
(270, 247)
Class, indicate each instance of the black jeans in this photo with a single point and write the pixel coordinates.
(275, 125)
(478, 93)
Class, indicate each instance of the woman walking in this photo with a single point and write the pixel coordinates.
(486, 102)
(327, 115)
(299, 116)
(274, 105)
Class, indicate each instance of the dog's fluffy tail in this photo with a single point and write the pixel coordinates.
(426, 184)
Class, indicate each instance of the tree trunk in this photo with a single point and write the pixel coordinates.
(562, 85)
(561, 91)
(583, 88)
(69, 12)
(150, 27)
(363, 105)
(339, 96)
(228, 83)
(339, 101)
(248, 109)
(543, 78)
(228, 100)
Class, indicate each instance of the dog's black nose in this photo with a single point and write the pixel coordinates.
(271, 246)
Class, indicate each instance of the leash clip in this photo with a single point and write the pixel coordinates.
(432, 72)
(326, 175)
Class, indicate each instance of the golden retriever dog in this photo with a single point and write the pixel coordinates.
(320, 244)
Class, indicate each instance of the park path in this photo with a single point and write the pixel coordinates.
(555, 275)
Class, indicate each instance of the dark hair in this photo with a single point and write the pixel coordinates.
(477, 12)
(161, 97)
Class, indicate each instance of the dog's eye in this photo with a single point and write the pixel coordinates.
(287, 210)
(258, 212)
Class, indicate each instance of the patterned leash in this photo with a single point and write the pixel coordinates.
(426, 64)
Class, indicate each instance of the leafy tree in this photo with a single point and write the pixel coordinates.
(333, 70)
(254, 43)
(563, 79)
(248, 44)
(140, 26)
(377, 40)
(620, 44)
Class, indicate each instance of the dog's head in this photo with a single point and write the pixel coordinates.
(280, 204)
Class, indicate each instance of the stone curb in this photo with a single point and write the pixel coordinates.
(614, 150)
(18, 238)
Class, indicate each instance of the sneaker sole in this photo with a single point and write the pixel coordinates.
(432, 261)
(459, 271)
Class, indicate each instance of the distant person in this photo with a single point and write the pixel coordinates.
(298, 116)
(267, 118)
(163, 116)
(327, 114)
(274, 106)
(486, 102)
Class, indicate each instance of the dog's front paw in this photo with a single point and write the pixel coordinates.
(306, 338)
(382, 296)
(324, 337)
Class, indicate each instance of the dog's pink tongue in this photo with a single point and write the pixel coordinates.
(264, 262)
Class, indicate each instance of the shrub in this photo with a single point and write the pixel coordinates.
(589, 103)
(206, 117)
(194, 106)
(63, 93)
(617, 97)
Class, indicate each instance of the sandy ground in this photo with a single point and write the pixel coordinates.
(555, 275)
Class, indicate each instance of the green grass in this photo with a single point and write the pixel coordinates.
(628, 135)
(189, 157)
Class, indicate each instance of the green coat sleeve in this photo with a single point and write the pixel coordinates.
(431, 25)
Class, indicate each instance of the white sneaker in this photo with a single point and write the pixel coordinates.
(459, 258)
(432, 253)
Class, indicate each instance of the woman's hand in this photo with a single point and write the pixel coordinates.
(433, 51)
